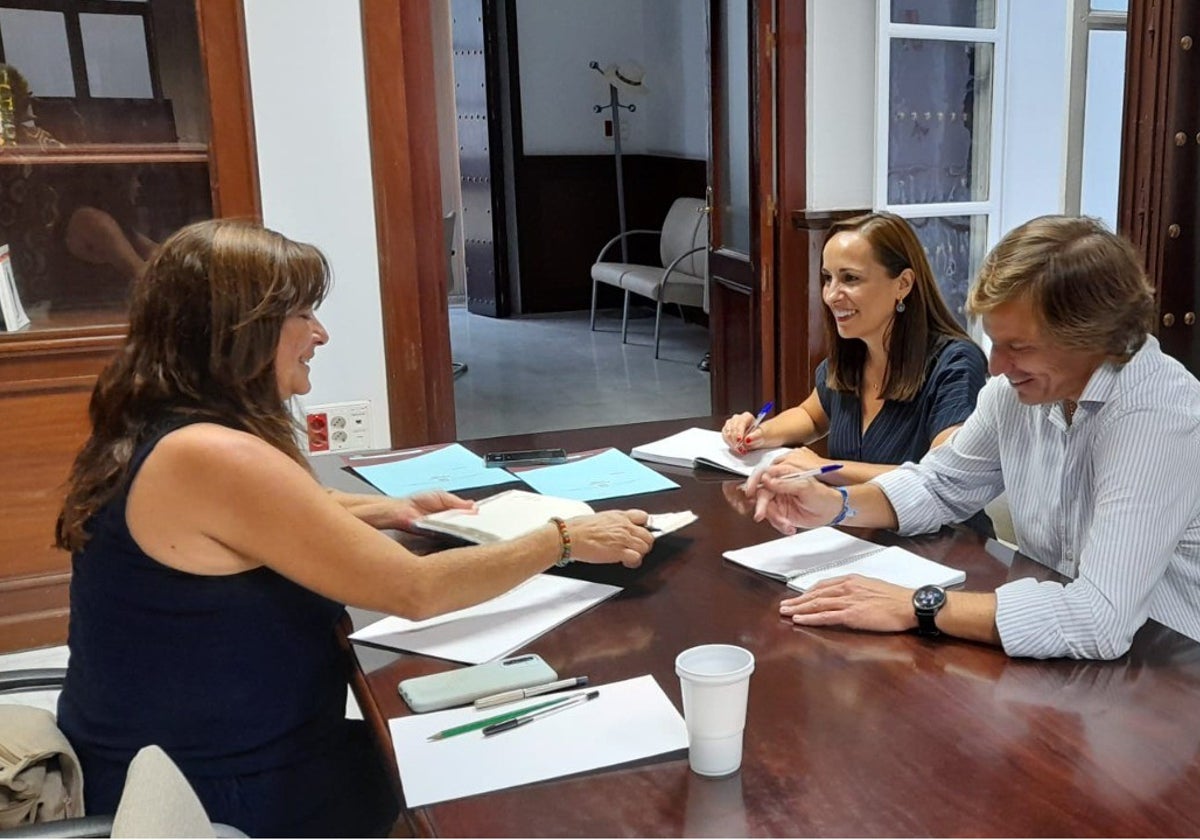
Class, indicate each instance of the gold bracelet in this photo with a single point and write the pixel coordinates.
(564, 535)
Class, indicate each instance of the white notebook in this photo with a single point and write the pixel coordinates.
(805, 559)
(514, 513)
(701, 447)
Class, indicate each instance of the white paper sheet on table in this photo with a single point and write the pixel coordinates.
(489, 630)
(629, 720)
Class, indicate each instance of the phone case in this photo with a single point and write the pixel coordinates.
(525, 458)
(466, 685)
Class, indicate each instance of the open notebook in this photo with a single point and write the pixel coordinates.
(515, 513)
(803, 560)
(703, 448)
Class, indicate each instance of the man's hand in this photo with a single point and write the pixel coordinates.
(788, 504)
(853, 601)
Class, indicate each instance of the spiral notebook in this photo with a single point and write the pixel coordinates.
(805, 559)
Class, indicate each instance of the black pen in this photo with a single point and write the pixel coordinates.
(505, 726)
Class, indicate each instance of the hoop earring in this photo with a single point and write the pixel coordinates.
(900, 307)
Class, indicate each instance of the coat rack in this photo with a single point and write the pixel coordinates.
(614, 104)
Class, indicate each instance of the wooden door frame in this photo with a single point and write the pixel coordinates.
(402, 120)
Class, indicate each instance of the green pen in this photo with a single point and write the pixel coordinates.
(480, 724)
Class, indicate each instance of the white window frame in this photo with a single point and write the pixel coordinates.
(1084, 21)
(886, 32)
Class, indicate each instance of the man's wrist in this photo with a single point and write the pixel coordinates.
(846, 511)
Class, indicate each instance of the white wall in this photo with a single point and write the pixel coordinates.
(310, 119)
(676, 62)
(1035, 112)
(557, 40)
(840, 104)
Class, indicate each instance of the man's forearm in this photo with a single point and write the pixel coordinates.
(871, 508)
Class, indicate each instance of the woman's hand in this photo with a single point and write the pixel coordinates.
(614, 536)
(803, 458)
(408, 510)
(853, 601)
(737, 436)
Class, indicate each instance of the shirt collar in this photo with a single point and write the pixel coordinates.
(1102, 384)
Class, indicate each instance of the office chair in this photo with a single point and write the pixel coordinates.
(157, 800)
(683, 249)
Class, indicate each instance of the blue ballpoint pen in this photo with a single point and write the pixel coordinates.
(758, 418)
(828, 468)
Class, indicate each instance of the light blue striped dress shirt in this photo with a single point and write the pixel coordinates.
(1111, 501)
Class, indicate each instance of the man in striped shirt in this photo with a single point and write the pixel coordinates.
(1093, 432)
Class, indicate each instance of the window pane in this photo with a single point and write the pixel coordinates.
(1110, 5)
(973, 13)
(956, 246)
(733, 144)
(79, 234)
(114, 47)
(35, 44)
(1102, 112)
(940, 126)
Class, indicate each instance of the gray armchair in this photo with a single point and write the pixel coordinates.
(683, 249)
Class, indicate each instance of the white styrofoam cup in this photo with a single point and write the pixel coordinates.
(715, 680)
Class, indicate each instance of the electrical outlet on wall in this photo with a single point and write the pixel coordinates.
(338, 427)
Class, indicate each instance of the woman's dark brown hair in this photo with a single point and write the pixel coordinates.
(913, 332)
(204, 326)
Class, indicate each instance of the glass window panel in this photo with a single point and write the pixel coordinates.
(973, 13)
(733, 126)
(114, 47)
(1110, 5)
(940, 121)
(1103, 106)
(78, 234)
(35, 43)
(956, 246)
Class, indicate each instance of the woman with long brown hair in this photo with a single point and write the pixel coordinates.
(210, 568)
(901, 374)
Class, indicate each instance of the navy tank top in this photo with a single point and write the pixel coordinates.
(230, 675)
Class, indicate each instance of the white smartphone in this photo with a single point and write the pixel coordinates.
(466, 685)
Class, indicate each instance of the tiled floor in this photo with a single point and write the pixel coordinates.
(541, 373)
(548, 372)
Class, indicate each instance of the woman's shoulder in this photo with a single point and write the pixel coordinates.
(951, 351)
(208, 445)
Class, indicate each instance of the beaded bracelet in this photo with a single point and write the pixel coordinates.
(564, 535)
(846, 510)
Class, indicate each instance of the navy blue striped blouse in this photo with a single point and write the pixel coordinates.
(902, 431)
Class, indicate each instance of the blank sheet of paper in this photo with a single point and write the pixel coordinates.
(629, 720)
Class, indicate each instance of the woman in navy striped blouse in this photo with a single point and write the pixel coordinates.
(901, 374)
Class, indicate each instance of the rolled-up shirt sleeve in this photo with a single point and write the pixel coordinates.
(1144, 465)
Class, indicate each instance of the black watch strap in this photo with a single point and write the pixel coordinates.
(927, 623)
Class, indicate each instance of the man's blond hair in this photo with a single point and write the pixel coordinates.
(1085, 283)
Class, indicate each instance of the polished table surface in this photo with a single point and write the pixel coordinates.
(847, 733)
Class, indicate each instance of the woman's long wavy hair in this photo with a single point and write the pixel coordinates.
(913, 333)
(204, 326)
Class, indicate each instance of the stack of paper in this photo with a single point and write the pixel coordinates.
(489, 630)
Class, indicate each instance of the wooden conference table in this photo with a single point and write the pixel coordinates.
(847, 733)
